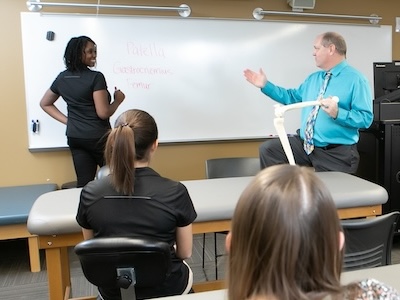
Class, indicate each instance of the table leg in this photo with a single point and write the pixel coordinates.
(58, 272)
(34, 255)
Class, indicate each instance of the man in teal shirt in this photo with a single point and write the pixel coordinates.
(337, 123)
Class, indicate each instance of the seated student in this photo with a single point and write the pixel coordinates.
(136, 201)
(286, 242)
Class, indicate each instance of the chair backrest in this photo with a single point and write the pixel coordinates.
(368, 242)
(232, 167)
(102, 172)
(108, 262)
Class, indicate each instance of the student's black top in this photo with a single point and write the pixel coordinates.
(77, 88)
(159, 205)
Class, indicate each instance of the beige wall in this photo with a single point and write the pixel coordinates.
(180, 161)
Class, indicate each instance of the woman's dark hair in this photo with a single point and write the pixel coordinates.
(131, 140)
(74, 51)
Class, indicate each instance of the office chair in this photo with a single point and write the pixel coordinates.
(232, 167)
(228, 167)
(126, 263)
(368, 242)
(102, 172)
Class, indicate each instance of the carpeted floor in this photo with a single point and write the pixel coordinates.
(18, 283)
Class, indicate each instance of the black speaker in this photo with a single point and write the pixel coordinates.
(379, 148)
(301, 4)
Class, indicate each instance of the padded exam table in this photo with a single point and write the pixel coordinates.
(15, 204)
(52, 217)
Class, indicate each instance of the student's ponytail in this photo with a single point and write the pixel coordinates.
(120, 156)
(131, 141)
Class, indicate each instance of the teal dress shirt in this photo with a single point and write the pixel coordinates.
(354, 107)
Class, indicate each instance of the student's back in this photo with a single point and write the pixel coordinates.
(134, 200)
(286, 242)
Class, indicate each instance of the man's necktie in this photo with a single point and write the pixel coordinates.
(309, 132)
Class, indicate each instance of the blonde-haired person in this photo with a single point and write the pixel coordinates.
(134, 200)
(286, 242)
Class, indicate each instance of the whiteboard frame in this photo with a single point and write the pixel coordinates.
(256, 105)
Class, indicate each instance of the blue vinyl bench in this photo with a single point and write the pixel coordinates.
(15, 205)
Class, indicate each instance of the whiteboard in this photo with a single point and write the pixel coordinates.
(187, 73)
